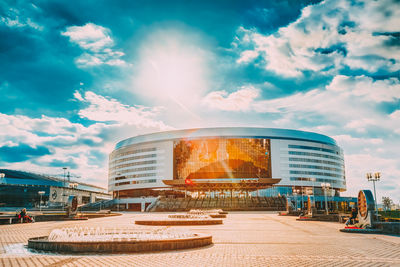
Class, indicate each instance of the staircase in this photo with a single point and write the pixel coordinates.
(99, 205)
(250, 203)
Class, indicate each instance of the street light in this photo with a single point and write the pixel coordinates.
(375, 178)
(41, 193)
(63, 193)
(325, 187)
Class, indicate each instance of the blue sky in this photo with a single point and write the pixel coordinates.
(78, 76)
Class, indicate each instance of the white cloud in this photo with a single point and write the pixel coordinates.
(74, 145)
(97, 42)
(348, 109)
(329, 36)
(14, 18)
(236, 101)
(345, 95)
(103, 109)
(78, 96)
(87, 60)
(90, 36)
(357, 165)
(247, 56)
(366, 88)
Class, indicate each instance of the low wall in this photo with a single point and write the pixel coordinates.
(388, 227)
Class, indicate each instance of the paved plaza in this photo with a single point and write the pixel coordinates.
(245, 239)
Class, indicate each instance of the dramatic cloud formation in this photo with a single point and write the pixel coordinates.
(349, 44)
(328, 37)
(76, 83)
(50, 142)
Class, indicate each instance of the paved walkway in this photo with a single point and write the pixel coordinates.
(245, 239)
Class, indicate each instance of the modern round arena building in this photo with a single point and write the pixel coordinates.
(264, 160)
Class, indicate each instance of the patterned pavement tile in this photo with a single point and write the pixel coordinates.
(245, 239)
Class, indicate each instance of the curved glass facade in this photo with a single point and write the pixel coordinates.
(222, 158)
(302, 160)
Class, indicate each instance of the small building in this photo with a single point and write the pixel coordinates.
(21, 189)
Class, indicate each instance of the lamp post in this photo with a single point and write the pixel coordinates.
(325, 187)
(63, 191)
(41, 193)
(375, 178)
(302, 200)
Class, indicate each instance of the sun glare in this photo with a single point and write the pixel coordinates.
(172, 66)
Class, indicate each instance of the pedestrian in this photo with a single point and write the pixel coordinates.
(24, 216)
(353, 216)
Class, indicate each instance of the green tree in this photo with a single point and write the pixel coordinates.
(387, 203)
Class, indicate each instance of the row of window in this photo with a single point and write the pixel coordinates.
(315, 167)
(120, 173)
(133, 158)
(317, 161)
(317, 173)
(122, 183)
(146, 162)
(138, 182)
(137, 175)
(133, 164)
(315, 148)
(314, 155)
(316, 180)
(152, 168)
(134, 152)
(144, 181)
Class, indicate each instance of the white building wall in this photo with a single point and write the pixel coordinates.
(313, 160)
(159, 159)
(315, 167)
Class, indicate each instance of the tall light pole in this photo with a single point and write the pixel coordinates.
(41, 193)
(302, 200)
(325, 187)
(375, 178)
(63, 191)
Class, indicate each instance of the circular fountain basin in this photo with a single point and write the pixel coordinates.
(121, 246)
(218, 215)
(117, 240)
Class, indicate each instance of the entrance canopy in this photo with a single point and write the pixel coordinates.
(222, 184)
